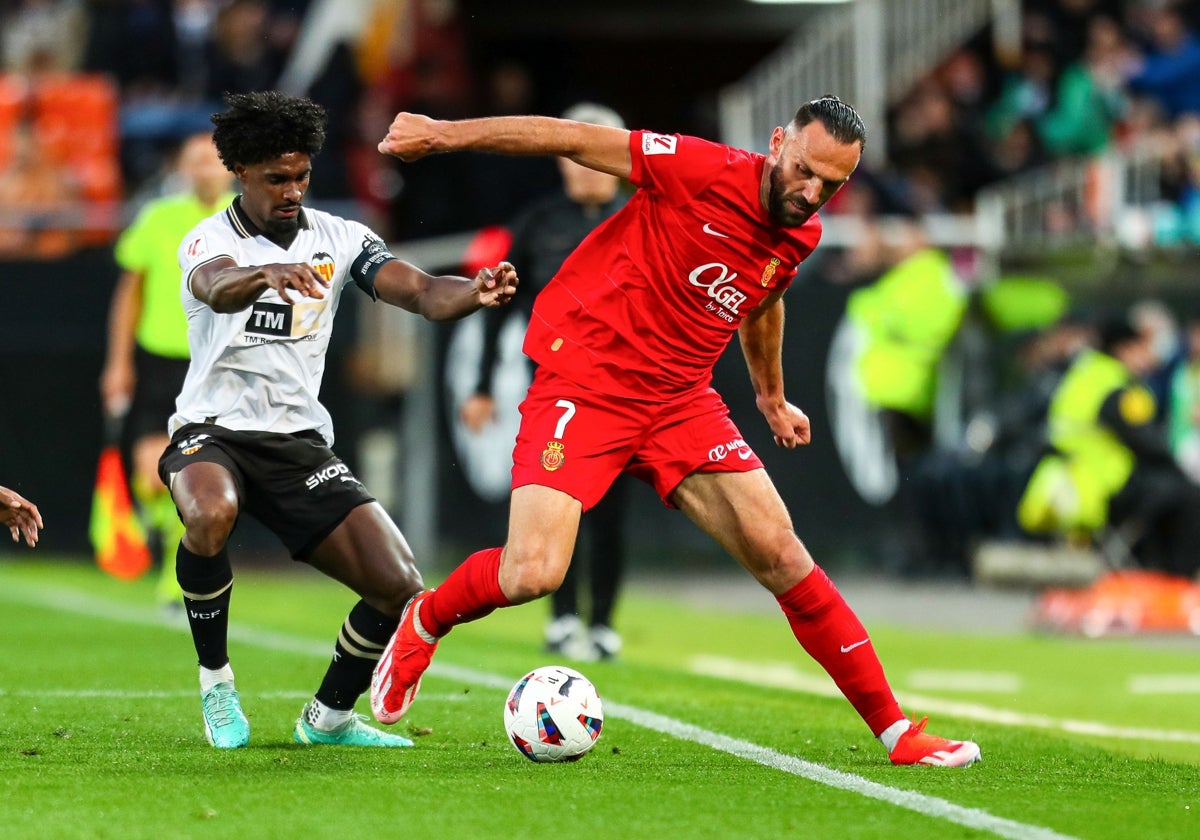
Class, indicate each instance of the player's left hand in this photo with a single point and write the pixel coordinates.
(496, 286)
(789, 424)
(20, 515)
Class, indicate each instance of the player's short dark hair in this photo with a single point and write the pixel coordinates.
(840, 119)
(263, 125)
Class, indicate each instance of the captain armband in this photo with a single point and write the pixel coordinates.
(366, 265)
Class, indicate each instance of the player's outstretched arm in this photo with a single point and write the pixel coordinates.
(599, 147)
(761, 337)
(228, 287)
(20, 516)
(446, 297)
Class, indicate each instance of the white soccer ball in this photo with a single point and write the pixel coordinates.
(553, 714)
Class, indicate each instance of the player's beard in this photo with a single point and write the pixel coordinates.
(780, 208)
(283, 227)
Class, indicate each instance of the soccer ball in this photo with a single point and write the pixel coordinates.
(553, 714)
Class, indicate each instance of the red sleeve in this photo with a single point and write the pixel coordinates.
(675, 165)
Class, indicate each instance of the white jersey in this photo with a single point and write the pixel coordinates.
(260, 369)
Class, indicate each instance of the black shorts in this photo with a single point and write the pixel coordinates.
(291, 483)
(159, 381)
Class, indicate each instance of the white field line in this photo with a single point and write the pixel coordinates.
(117, 694)
(930, 806)
(786, 675)
(1164, 684)
(1000, 682)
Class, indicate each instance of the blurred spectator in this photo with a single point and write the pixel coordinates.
(1111, 467)
(943, 160)
(339, 91)
(42, 35)
(38, 197)
(242, 56)
(906, 319)
(147, 353)
(1168, 72)
(500, 183)
(1026, 91)
(1089, 98)
(904, 323)
(413, 57)
(1019, 150)
(134, 43)
(1177, 218)
(1156, 323)
(193, 20)
(1064, 24)
(1184, 425)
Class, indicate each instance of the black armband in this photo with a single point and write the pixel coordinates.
(366, 265)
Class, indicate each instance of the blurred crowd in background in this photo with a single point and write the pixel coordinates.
(96, 95)
(136, 76)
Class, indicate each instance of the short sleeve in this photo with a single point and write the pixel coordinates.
(203, 244)
(676, 165)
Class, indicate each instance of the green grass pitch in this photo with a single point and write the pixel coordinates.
(717, 726)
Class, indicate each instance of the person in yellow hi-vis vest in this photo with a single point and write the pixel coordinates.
(147, 353)
(906, 319)
(1110, 464)
(903, 324)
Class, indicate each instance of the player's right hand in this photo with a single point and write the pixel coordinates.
(301, 278)
(410, 137)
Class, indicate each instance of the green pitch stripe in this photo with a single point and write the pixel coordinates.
(788, 676)
(79, 603)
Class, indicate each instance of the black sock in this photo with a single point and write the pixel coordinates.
(365, 634)
(207, 583)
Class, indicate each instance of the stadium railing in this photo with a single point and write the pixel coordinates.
(870, 52)
(1106, 201)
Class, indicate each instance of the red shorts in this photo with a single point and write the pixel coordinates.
(578, 441)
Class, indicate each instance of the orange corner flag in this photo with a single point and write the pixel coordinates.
(116, 532)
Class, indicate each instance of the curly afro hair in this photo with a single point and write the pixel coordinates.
(263, 125)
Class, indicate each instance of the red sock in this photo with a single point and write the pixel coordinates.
(829, 630)
(470, 592)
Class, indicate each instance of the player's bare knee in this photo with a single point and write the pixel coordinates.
(208, 523)
(396, 590)
(527, 578)
(783, 564)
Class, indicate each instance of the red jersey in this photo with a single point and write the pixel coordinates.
(651, 298)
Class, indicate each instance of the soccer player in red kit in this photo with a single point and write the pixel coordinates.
(625, 338)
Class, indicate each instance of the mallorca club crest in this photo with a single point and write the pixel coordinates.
(552, 456)
(769, 272)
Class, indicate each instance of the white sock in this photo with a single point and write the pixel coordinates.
(210, 678)
(325, 719)
(891, 735)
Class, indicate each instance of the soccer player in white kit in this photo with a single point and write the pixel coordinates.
(261, 284)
